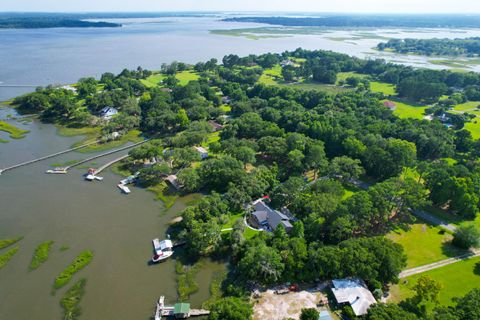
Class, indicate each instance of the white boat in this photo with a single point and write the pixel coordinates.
(89, 177)
(57, 171)
(163, 250)
(98, 178)
(124, 188)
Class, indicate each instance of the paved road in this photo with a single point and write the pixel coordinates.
(439, 264)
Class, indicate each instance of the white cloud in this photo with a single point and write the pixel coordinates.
(391, 6)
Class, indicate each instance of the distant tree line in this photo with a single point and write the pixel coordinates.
(447, 47)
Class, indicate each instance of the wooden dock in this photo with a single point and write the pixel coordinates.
(169, 311)
(108, 164)
(46, 157)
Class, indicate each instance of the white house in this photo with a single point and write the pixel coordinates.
(108, 112)
(202, 151)
(355, 293)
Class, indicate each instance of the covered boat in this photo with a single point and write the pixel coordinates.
(163, 250)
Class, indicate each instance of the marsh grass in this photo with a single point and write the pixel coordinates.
(70, 302)
(8, 242)
(40, 255)
(186, 284)
(14, 132)
(80, 262)
(4, 258)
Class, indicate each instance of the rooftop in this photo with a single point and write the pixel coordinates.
(355, 293)
(181, 308)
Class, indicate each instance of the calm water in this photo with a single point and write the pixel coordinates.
(45, 56)
(81, 215)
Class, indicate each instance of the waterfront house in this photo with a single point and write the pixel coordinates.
(355, 293)
(202, 151)
(267, 218)
(107, 113)
(173, 180)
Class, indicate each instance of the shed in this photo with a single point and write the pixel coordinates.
(181, 310)
(390, 105)
(203, 152)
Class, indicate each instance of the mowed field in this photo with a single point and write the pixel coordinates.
(183, 77)
(456, 279)
(474, 125)
(425, 244)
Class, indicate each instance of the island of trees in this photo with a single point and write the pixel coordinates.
(344, 166)
(365, 20)
(469, 47)
(37, 22)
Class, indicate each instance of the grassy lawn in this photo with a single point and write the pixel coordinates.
(232, 220)
(342, 76)
(350, 190)
(132, 136)
(271, 76)
(467, 106)
(186, 76)
(311, 85)
(211, 137)
(14, 132)
(382, 87)
(406, 110)
(457, 279)
(226, 108)
(153, 81)
(424, 244)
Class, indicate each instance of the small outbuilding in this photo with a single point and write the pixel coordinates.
(173, 180)
(390, 105)
(181, 310)
(108, 112)
(355, 293)
(202, 151)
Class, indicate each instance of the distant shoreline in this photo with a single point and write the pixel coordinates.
(51, 22)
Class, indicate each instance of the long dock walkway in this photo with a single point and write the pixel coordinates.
(106, 154)
(108, 164)
(46, 157)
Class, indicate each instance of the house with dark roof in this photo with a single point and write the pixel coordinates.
(264, 217)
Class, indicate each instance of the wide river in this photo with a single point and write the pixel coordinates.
(81, 215)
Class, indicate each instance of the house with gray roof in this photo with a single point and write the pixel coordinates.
(267, 218)
(355, 293)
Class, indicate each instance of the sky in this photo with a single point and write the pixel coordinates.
(360, 6)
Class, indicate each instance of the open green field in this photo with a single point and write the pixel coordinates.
(271, 76)
(153, 81)
(407, 110)
(186, 76)
(382, 87)
(457, 279)
(424, 244)
(14, 132)
(132, 136)
(342, 76)
(310, 85)
(474, 125)
(467, 106)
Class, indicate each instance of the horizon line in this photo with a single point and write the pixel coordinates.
(250, 11)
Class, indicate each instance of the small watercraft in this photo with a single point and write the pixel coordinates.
(163, 250)
(124, 188)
